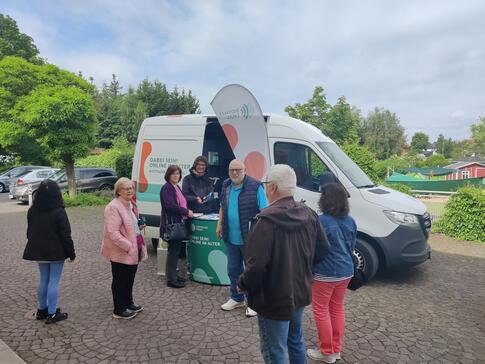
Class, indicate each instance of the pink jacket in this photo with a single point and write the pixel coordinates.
(119, 240)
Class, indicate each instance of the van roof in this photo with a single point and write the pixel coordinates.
(282, 126)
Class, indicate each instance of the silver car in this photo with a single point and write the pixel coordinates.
(24, 179)
(8, 176)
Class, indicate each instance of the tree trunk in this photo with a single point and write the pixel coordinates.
(71, 181)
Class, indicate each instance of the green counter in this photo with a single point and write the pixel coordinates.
(206, 253)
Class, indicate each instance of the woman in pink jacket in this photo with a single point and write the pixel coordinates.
(123, 246)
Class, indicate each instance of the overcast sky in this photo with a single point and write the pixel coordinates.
(423, 60)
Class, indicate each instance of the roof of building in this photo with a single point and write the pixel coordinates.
(461, 164)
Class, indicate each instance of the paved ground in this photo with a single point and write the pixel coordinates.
(434, 313)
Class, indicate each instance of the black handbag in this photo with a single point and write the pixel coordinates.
(358, 280)
(175, 232)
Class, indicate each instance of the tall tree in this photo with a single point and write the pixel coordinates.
(478, 136)
(382, 133)
(15, 43)
(444, 146)
(339, 122)
(19, 78)
(62, 120)
(419, 142)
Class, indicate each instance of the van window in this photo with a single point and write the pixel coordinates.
(358, 178)
(308, 167)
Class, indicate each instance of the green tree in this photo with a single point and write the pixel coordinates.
(444, 146)
(382, 133)
(19, 78)
(133, 112)
(435, 160)
(339, 122)
(62, 120)
(15, 43)
(419, 142)
(478, 136)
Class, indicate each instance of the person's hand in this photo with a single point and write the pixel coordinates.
(219, 231)
(190, 214)
(71, 258)
(143, 226)
(199, 200)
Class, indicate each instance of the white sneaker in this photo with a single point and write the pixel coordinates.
(337, 356)
(231, 305)
(250, 312)
(318, 356)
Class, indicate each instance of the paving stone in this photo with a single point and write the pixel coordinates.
(432, 313)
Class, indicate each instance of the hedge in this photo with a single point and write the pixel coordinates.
(464, 216)
(100, 198)
(123, 165)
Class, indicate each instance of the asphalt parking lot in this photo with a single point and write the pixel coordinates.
(433, 313)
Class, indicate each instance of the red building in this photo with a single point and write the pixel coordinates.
(464, 170)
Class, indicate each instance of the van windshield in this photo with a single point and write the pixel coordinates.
(351, 170)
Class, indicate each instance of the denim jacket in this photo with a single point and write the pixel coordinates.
(341, 234)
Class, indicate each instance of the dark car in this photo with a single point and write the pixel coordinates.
(87, 180)
(9, 176)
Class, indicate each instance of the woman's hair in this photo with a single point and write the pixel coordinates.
(200, 159)
(171, 170)
(333, 200)
(48, 196)
(120, 182)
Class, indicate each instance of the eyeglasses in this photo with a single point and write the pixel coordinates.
(127, 188)
(236, 170)
(200, 165)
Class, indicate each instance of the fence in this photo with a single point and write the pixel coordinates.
(435, 205)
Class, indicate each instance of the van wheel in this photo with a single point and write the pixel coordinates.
(367, 258)
(155, 244)
(2, 187)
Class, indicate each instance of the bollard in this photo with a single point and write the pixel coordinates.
(30, 194)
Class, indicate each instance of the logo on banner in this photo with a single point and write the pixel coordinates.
(245, 111)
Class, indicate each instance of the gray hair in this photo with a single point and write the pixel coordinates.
(284, 177)
(120, 182)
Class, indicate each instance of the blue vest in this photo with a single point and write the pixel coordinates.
(247, 205)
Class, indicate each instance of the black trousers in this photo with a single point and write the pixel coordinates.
(122, 285)
(176, 250)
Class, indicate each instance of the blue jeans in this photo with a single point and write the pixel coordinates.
(235, 267)
(50, 276)
(278, 336)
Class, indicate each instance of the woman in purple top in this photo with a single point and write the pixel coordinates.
(174, 210)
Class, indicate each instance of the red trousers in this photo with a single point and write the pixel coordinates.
(329, 313)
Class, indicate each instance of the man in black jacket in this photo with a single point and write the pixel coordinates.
(284, 243)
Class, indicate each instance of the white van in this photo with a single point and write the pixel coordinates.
(393, 228)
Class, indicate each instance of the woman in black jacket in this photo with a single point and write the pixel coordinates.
(49, 244)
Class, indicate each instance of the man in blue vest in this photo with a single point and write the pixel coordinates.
(242, 197)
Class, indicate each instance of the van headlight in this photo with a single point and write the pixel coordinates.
(401, 218)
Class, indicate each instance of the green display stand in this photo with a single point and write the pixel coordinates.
(206, 253)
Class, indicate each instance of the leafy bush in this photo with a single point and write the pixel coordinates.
(400, 187)
(363, 157)
(108, 157)
(87, 199)
(123, 165)
(464, 216)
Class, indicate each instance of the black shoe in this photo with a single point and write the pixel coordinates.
(135, 308)
(181, 279)
(58, 316)
(126, 315)
(175, 284)
(42, 314)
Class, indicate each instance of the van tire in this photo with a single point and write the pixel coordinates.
(155, 244)
(367, 257)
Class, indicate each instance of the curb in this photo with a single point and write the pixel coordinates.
(8, 356)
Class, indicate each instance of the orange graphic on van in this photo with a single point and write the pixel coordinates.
(255, 165)
(231, 135)
(146, 149)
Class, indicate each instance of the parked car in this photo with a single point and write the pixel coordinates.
(87, 179)
(25, 178)
(7, 176)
